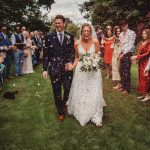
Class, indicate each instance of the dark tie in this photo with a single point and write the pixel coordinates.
(61, 38)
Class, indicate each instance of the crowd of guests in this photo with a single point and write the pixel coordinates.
(22, 47)
(118, 49)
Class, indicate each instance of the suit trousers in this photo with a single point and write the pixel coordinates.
(60, 79)
(125, 67)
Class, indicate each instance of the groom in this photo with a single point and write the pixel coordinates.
(58, 53)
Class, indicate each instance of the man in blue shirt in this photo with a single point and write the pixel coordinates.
(5, 47)
(17, 39)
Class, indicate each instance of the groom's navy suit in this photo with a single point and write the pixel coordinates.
(56, 55)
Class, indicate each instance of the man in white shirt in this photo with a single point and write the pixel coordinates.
(127, 40)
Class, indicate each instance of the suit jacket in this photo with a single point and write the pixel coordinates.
(54, 52)
(128, 41)
(4, 41)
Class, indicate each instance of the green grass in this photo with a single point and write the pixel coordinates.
(29, 122)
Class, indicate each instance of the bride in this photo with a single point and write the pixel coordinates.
(86, 100)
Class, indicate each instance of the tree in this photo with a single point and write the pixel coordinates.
(73, 29)
(26, 12)
(112, 11)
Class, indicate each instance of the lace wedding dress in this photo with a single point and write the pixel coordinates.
(86, 100)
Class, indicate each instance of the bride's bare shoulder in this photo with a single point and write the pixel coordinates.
(95, 40)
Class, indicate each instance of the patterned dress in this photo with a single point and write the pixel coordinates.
(143, 56)
(86, 95)
(27, 62)
(116, 62)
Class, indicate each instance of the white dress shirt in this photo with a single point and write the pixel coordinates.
(58, 35)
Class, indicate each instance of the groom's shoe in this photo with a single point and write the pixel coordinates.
(61, 118)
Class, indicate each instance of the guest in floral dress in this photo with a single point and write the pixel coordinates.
(115, 60)
(143, 57)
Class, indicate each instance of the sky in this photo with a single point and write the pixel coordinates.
(68, 8)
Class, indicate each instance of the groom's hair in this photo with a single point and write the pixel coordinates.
(60, 17)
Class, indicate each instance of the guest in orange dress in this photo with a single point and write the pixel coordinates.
(143, 57)
(108, 50)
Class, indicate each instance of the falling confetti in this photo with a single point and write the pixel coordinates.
(38, 83)
(37, 94)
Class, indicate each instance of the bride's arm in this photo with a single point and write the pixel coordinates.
(97, 45)
(72, 66)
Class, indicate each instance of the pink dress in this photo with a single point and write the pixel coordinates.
(27, 63)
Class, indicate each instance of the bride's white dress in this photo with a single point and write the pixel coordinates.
(86, 100)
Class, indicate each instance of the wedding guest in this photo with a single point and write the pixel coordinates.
(38, 42)
(143, 57)
(27, 63)
(115, 61)
(5, 48)
(17, 39)
(127, 39)
(100, 35)
(23, 28)
(108, 40)
(34, 61)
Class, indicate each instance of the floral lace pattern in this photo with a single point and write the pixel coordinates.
(86, 96)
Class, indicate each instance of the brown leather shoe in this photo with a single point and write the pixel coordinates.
(61, 118)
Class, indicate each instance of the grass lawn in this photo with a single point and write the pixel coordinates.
(29, 122)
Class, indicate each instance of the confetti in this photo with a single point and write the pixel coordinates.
(38, 83)
(37, 94)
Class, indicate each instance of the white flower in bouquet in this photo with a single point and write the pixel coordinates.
(89, 63)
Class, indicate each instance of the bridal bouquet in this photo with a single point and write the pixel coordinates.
(90, 62)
